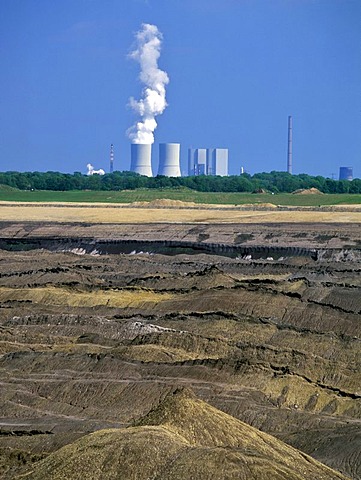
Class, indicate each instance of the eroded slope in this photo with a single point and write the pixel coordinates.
(94, 342)
(182, 437)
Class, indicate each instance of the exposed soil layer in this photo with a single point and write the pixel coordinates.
(181, 438)
(168, 247)
(299, 235)
(91, 342)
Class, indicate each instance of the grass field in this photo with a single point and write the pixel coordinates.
(184, 195)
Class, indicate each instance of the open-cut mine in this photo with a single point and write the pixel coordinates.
(187, 350)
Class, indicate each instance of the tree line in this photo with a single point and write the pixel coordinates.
(276, 182)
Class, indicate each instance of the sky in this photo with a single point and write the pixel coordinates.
(237, 69)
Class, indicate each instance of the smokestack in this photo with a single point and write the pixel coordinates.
(141, 154)
(169, 159)
(289, 150)
(111, 159)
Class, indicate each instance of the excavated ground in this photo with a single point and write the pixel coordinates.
(181, 438)
(93, 341)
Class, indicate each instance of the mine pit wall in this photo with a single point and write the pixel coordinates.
(290, 366)
(189, 248)
(313, 241)
(171, 248)
(166, 248)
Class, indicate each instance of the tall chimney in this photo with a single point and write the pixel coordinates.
(111, 158)
(289, 150)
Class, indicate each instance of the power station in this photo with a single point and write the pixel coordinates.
(141, 159)
(208, 161)
(346, 173)
(201, 161)
(169, 159)
(217, 161)
(197, 161)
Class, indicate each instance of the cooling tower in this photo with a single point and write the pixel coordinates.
(346, 173)
(141, 159)
(169, 160)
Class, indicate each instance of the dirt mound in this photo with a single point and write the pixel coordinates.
(259, 205)
(163, 202)
(259, 190)
(308, 191)
(183, 437)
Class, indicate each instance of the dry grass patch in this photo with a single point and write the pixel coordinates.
(121, 214)
(75, 298)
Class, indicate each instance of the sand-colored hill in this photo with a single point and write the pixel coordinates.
(183, 438)
(308, 191)
(163, 202)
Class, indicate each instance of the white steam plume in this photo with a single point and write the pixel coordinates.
(91, 170)
(153, 102)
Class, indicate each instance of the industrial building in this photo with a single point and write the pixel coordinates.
(208, 161)
(141, 158)
(217, 161)
(169, 159)
(201, 161)
(346, 173)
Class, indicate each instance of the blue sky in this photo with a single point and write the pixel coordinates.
(237, 69)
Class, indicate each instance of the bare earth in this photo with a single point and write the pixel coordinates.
(130, 333)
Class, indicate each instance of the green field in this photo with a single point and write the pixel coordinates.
(185, 195)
